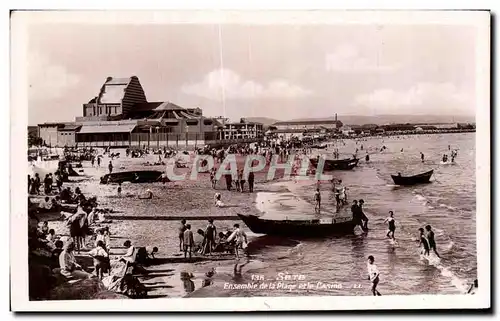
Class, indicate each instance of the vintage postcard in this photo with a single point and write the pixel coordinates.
(250, 160)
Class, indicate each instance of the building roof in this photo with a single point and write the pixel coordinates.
(308, 122)
(162, 110)
(296, 131)
(70, 128)
(107, 128)
(157, 106)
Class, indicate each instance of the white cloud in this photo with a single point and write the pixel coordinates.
(422, 98)
(347, 58)
(48, 80)
(235, 87)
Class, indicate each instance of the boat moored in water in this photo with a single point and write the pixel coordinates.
(412, 180)
(303, 228)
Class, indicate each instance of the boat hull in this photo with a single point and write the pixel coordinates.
(133, 177)
(331, 165)
(300, 228)
(423, 178)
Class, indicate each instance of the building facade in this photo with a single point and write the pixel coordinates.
(120, 116)
(308, 124)
(242, 130)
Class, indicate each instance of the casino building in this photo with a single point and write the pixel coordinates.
(121, 116)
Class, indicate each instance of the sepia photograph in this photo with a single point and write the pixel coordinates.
(246, 161)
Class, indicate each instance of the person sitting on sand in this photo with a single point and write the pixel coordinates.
(218, 201)
(58, 248)
(68, 265)
(129, 256)
(147, 196)
(45, 205)
(51, 238)
(44, 229)
(91, 218)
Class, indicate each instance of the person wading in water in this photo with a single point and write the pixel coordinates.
(423, 242)
(392, 225)
(373, 275)
(430, 239)
(363, 216)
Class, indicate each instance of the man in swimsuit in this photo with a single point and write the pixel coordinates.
(430, 238)
(392, 225)
(356, 215)
(423, 242)
(363, 216)
(317, 199)
(373, 275)
(182, 228)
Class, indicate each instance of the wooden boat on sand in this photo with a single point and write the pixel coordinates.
(412, 180)
(133, 177)
(336, 164)
(299, 228)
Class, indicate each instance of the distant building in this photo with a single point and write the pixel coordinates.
(58, 134)
(243, 130)
(308, 124)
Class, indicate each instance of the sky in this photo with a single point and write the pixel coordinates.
(248, 70)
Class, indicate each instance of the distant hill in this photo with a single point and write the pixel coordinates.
(264, 120)
(397, 119)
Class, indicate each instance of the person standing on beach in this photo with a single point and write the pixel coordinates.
(251, 179)
(240, 238)
(213, 180)
(228, 181)
(182, 228)
(373, 275)
(110, 167)
(392, 225)
(241, 180)
(92, 160)
(317, 200)
(422, 156)
(210, 235)
(98, 161)
(430, 239)
(188, 241)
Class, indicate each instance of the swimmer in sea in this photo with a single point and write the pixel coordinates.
(423, 242)
(373, 275)
(392, 225)
(430, 238)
